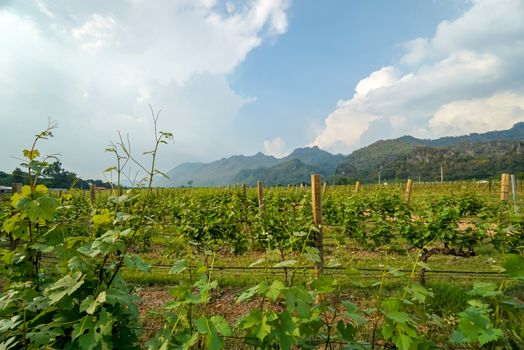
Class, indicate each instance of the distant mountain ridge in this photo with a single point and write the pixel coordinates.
(217, 173)
(477, 155)
(515, 133)
(462, 157)
(294, 168)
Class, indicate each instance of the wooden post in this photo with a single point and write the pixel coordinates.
(357, 186)
(407, 194)
(504, 187)
(260, 190)
(514, 192)
(324, 189)
(316, 204)
(441, 173)
(92, 194)
(16, 187)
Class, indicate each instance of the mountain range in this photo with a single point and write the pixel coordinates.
(477, 155)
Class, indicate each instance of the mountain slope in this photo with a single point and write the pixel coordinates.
(467, 160)
(241, 169)
(295, 168)
(291, 172)
(217, 173)
(468, 156)
(515, 133)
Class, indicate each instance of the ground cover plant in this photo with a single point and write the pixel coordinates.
(445, 270)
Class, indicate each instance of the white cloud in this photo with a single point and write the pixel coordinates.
(275, 147)
(384, 77)
(480, 115)
(97, 71)
(45, 9)
(98, 32)
(466, 78)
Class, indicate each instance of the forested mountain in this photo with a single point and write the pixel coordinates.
(462, 161)
(516, 133)
(291, 172)
(217, 173)
(296, 167)
(474, 156)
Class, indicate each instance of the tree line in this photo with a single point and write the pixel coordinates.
(53, 177)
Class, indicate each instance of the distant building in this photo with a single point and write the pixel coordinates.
(5, 189)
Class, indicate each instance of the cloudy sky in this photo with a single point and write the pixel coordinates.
(239, 77)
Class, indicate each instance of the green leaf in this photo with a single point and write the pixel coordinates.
(209, 328)
(403, 342)
(458, 338)
(222, 325)
(44, 248)
(101, 219)
(474, 325)
(136, 262)
(346, 330)
(515, 266)
(201, 325)
(31, 154)
(89, 304)
(419, 293)
(83, 326)
(485, 289)
(252, 319)
(178, 267)
(275, 289)
(10, 343)
(299, 300)
(312, 254)
(67, 285)
(424, 265)
(324, 284)
(258, 262)
(286, 263)
(352, 312)
(399, 317)
(248, 294)
(44, 335)
(264, 328)
(286, 331)
(9, 323)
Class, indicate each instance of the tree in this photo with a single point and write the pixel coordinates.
(57, 177)
(19, 176)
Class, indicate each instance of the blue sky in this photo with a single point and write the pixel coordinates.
(298, 78)
(239, 77)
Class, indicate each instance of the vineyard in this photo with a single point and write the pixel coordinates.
(420, 266)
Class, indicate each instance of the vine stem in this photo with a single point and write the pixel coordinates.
(379, 299)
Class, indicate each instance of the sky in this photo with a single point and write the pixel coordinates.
(247, 76)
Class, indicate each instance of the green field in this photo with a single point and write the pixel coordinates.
(207, 268)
